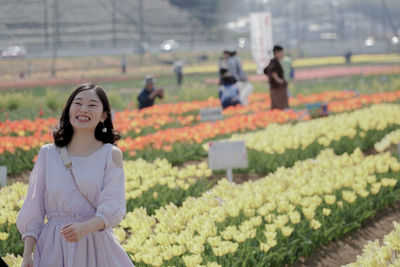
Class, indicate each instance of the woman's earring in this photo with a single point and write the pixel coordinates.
(104, 130)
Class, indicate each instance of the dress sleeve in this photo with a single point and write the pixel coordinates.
(112, 204)
(31, 216)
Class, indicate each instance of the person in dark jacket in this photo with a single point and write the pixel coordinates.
(277, 82)
(149, 93)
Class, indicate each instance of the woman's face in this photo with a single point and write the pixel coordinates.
(86, 111)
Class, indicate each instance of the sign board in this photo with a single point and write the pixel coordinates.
(211, 114)
(261, 39)
(3, 175)
(399, 149)
(226, 155)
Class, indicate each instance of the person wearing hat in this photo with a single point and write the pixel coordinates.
(149, 93)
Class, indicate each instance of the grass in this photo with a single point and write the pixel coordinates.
(95, 66)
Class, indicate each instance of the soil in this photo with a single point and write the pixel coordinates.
(22, 177)
(238, 178)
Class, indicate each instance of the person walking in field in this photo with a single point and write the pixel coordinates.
(78, 184)
(178, 69)
(277, 82)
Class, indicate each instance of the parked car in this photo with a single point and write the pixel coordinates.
(13, 52)
(169, 46)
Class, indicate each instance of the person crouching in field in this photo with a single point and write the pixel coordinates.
(78, 184)
(149, 93)
(228, 90)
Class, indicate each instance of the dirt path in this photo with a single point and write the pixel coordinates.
(345, 250)
(22, 177)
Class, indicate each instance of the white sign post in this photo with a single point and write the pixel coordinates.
(3, 175)
(398, 145)
(226, 155)
(261, 39)
(211, 114)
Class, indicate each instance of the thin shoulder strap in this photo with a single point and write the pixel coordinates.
(65, 157)
(68, 164)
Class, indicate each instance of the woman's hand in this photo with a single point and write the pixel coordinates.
(74, 232)
(27, 261)
(29, 242)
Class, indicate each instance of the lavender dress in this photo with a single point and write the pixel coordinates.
(52, 194)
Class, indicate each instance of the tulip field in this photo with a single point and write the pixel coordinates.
(317, 179)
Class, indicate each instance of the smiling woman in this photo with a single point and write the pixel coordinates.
(78, 183)
(91, 104)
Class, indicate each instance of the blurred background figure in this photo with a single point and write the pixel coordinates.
(123, 64)
(288, 71)
(149, 93)
(29, 69)
(347, 57)
(228, 90)
(222, 64)
(234, 66)
(277, 82)
(178, 69)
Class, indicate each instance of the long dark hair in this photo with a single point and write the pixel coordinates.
(62, 134)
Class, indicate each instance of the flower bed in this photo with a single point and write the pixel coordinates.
(385, 254)
(269, 222)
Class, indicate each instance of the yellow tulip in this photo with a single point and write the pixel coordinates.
(388, 182)
(315, 224)
(192, 260)
(330, 199)
(326, 212)
(294, 217)
(287, 231)
(270, 235)
(375, 187)
(349, 196)
(264, 247)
